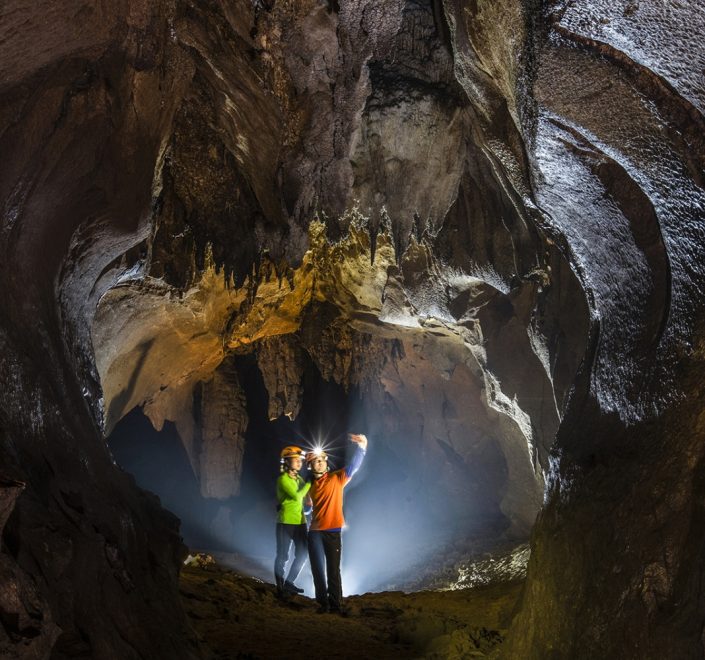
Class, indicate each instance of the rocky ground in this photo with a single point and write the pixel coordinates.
(238, 617)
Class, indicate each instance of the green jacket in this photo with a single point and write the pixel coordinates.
(290, 496)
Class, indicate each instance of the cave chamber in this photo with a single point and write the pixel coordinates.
(471, 230)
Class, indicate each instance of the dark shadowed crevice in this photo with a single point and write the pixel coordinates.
(158, 462)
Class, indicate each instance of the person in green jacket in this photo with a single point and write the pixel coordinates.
(291, 521)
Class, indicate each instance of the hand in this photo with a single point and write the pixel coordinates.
(358, 439)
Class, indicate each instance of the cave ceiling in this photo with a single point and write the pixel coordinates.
(365, 207)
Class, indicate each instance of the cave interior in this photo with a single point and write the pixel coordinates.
(471, 230)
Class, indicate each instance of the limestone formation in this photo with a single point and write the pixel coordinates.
(280, 360)
(223, 420)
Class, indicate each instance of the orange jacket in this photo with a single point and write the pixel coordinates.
(327, 495)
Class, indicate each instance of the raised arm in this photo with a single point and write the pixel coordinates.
(359, 454)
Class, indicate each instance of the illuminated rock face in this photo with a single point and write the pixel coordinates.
(485, 218)
(383, 327)
(618, 148)
(379, 141)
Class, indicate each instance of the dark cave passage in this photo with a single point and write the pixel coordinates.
(394, 534)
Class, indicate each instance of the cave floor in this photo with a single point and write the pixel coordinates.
(239, 617)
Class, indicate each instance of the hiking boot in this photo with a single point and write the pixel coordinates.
(292, 588)
(279, 582)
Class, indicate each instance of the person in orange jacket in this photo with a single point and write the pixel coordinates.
(324, 537)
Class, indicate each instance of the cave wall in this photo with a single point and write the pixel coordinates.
(88, 92)
(617, 153)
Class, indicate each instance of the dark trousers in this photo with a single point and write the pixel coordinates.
(324, 551)
(286, 535)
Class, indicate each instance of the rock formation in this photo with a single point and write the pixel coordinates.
(483, 218)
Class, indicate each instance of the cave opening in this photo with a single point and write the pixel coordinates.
(243, 522)
(398, 535)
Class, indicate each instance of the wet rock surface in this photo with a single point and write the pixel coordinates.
(465, 565)
(613, 538)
